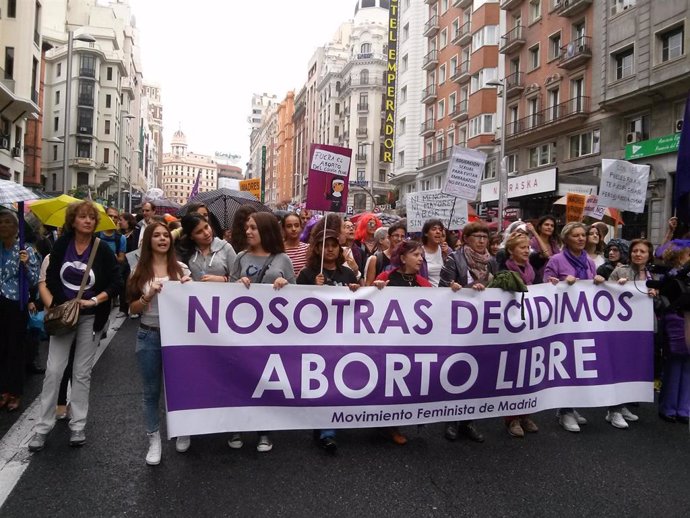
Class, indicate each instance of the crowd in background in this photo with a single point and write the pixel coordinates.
(133, 263)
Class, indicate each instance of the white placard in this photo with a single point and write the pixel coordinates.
(330, 162)
(465, 171)
(425, 205)
(623, 185)
(592, 207)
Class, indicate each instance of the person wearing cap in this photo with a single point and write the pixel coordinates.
(334, 273)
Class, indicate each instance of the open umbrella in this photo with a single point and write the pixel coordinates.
(53, 211)
(223, 203)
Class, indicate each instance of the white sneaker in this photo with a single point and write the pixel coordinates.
(265, 444)
(182, 443)
(616, 419)
(628, 415)
(579, 418)
(235, 441)
(569, 422)
(153, 456)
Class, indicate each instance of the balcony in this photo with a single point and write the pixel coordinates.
(85, 100)
(515, 84)
(87, 72)
(427, 128)
(512, 40)
(573, 7)
(361, 158)
(362, 132)
(435, 158)
(82, 162)
(6, 80)
(431, 27)
(430, 60)
(509, 5)
(463, 4)
(576, 53)
(463, 35)
(573, 111)
(459, 112)
(362, 107)
(429, 94)
(462, 73)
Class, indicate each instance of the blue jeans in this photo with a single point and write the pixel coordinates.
(148, 353)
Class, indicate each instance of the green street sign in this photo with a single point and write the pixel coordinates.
(651, 147)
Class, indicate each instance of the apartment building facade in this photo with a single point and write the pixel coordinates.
(181, 167)
(285, 151)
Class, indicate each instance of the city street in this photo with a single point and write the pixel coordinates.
(642, 471)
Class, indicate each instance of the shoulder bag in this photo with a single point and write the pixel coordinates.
(62, 319)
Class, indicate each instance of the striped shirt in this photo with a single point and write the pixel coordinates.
(298, 256)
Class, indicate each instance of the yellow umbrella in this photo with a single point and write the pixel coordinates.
(52, 212)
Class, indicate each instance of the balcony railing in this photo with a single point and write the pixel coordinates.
(463, 35)
(7, 80)
(431, 27)
(459, 111)
(512, 40)
(87, 72)
(429, 93)
(435, 158)
(574, 108)
(462, 72)
(464, 4)
(573, 7)
(427, 127)
(362, 107)
(361, 157)
(362, 132)
(576, 52)
(430, 60)
(515, 83)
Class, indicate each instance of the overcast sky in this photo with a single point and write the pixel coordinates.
(210, 56)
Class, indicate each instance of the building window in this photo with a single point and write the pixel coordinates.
(534, 10)
(405, 63)
(618, 6)
(109, 73)
(441, 111)
(57, 97)
(624, 63)
(534, 57)
(58, 70)
(56, 123)
(9, 62)
(405, 33)
(442, 74)
(84, 149)
(672, 44)
(584, 144)
(639, 127)
(490, 169)
(403, 94)
(364, 77)
(511, 164)
(481, 78)
(11, 8)
(107, 127)
(402, 126)
(487, 35)
(544, 154)
(55, 153)
(108, 100)
(482, 125)
(554, 46)
(443, 39)
(106, 155)
(401, 159)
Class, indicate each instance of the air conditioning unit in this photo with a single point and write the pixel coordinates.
(16, 151)
(633, 136)
(679, 125)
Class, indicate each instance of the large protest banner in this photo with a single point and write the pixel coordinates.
(425, 205)
(238, 359)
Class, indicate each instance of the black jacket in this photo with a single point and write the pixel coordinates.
(455, 269)
(105, 268)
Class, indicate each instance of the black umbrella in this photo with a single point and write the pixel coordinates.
(223, 203)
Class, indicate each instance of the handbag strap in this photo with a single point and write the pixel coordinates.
(92, 256)
(262, 272)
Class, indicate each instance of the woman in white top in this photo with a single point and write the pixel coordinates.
(595, 246)
(156, 265)
(435, 249)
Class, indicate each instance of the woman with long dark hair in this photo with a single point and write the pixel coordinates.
(264, 261)
(294, 248)
(156, 265)
(545, 243)
(238, 236)
(209, 258)
(67, 266)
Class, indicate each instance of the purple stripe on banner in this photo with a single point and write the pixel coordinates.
(216, 377)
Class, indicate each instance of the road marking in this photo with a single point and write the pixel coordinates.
(14, 452)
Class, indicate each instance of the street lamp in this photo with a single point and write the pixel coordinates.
(68, 101)
(123, 115)
(502, 170)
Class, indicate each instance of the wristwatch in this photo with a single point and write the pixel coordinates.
(95, 299)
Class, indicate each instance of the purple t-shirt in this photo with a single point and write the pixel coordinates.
(72, 273)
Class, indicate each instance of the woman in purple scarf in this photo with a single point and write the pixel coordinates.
(571, 265)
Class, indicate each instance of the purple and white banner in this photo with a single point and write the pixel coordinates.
(238, 359)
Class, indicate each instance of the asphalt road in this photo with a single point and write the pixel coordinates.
(642, 471)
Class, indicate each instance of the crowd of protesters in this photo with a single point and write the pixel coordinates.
(133, 263)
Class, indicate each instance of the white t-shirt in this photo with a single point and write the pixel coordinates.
(434, 263)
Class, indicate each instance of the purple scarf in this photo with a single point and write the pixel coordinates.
(526, 272)
(581, 263)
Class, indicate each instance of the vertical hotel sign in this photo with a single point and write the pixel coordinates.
(392, 72)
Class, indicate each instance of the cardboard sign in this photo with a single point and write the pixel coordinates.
(425, 205)
(593, 209)
(329, 169)
(465, 171)
(253, 185)
(574, 206)
(623, 185)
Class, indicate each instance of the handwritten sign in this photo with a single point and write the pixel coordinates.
(623, 185)
(464, 175)
(593, 209)
(327, 187)
(574, 206)
(425, 205)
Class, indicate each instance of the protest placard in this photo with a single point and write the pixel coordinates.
(574, 206)
(623, 185)
(425, 205)
(592, 207)
(464, 174)
(252, 185)
(312, 358)
(329, 169)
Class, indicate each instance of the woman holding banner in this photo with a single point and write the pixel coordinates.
(263, 262)
(571, 265)
(156, 265)
(435, 249)
(209, 258)
(469, 266)
(326, 267)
